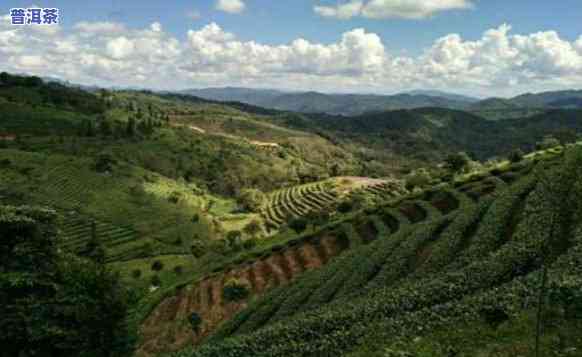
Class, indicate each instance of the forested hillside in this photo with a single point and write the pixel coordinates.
(223, 228)
(357, 104)
(470, 274)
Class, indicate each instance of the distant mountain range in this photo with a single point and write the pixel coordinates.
(356, 104)
(339, 104)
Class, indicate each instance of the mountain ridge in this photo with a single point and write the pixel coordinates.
(353, 104)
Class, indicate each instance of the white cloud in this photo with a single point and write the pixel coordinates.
(498, 63)
(156, 27)
(341, 11)
(120, 47)
(231, 6)
(386, 9)
(216, 50)
(99, 27)
(31, 61)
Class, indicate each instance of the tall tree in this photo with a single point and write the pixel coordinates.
(130, 128)
(94, 249)
(54, 303)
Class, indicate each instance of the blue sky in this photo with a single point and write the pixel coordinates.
(274, 23)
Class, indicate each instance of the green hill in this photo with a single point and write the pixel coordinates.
(473, 271)
(241, 228)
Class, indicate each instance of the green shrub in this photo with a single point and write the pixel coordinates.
(156, 281)
(198, 248)
(345, 207)
(195, 321)
(458, 161)
(253, 228)
(136, 273)
(419, 178)
(175, 197)
(252, 199)
(235, 290)
(178, 270)
(249, 244)
(298, 224)
(104, 162)
(157, 265)
(516, 156)
(547, 142)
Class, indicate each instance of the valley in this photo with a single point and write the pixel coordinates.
(227, 229)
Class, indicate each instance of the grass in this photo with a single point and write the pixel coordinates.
(167, 275)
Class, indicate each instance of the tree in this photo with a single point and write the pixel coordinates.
(253, 228)
(175, 197)
(136, 273)
(335, 170)
(94, 249)
(360, 200)
(457, 162)
(233, 238)
(250, 243)
(566, 136)
(547, 142)
(130, 127)
(516, 156)
(33, 81)
(178, 270)
(345, 206)
(4, 78)
(419, 178)
(156, 281)
(195, 321)
(198, 248)
(252, 199)
(157, 265)
(235, 290)
(105, 127)
(298, 224)
(67, 305)
(104, 162)
(87, 128)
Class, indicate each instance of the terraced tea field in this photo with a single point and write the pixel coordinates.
(443, 259)
(401, 239)
(297, 201)
(122, 202)
(76, 231)
(386, 190)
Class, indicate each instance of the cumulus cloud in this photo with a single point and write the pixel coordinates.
(341, 11)
(387, 9)
(99, 27)
(231, 6)
(120, 47)
(498, 63)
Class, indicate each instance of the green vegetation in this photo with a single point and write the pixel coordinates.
(235, 290)
(54, 301)
(254, 232)
(487, 272)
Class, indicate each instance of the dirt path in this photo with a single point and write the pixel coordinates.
(262, 144)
